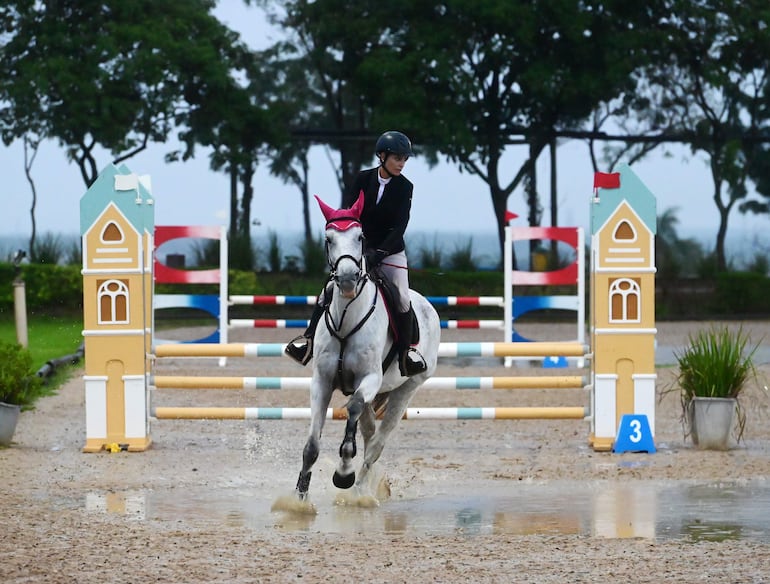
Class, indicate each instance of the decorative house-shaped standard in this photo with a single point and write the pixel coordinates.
(623, 225)
(116, 222)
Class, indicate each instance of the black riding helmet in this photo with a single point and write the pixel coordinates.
(393, 142)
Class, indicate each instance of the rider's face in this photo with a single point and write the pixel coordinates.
(394, 163)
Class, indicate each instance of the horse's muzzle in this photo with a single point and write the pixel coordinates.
(347, 287)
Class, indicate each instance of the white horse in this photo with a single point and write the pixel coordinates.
(352, 346)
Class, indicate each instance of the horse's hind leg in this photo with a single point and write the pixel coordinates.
(367, 425)
(398, 401)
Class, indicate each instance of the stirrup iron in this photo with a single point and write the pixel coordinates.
(300, 349)
(412, 363)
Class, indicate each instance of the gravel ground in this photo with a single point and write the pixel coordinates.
(195, 507)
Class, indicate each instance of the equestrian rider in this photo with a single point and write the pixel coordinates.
(387, 204)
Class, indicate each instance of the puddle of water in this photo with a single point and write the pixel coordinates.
(673, 510)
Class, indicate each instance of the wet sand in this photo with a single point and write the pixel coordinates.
(486, 501)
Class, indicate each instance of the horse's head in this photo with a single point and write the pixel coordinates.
(344, 245)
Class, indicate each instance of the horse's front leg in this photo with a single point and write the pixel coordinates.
(345, 477)
(320, 396)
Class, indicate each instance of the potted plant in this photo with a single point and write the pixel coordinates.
(19, 387)
(715, 368)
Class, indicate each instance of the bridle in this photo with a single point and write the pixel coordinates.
(361, 278)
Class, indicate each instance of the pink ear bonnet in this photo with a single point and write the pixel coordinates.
(342, 219)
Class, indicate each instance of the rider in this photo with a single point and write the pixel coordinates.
(387, 204)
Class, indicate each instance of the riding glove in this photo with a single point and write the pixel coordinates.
(374, 257)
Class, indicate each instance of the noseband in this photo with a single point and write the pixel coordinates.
(360, 276)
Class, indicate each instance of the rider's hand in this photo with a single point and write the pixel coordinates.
(374, 257)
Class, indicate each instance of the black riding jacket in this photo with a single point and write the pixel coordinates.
(383, 224)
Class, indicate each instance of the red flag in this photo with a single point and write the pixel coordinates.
(606, 180)
(510, 215)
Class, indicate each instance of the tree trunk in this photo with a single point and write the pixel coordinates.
(28, 162)
(248, 196)
(554, 259)
(233, 229)
(535, 214)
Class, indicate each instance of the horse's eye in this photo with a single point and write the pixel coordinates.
(328, 240)
(361, 237)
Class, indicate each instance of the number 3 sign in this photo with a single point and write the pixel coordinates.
(634, 435)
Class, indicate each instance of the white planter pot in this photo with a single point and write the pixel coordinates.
(9, 416)
(711, 421)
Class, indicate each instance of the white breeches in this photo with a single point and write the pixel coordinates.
(395, 268)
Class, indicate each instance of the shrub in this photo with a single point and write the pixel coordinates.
(206, 253)
(49, 249)
(314, 256)
(241, 254)
(717, 363)
(430, 258)
(18, 383)
(461, 259)
(273, 252)
(73, 253)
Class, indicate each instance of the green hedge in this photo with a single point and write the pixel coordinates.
(48, 288)
(744, 293)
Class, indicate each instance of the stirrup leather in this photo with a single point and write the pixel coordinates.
(300, 349)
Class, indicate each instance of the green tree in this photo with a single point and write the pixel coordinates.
(466, 79)
(107, 74)
(333, 49)
(674, 257)
(240, 122)
(516, 73)
(714, 84)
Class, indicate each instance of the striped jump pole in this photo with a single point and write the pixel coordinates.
(309, 300)
(465, 300)
(303, 383)
(483, 349)
(489, 413)
(278, 323)
(273, 300)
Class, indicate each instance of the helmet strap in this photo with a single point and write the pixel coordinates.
(382, 165)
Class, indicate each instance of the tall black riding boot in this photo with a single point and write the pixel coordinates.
(410, 361)
(301, 348)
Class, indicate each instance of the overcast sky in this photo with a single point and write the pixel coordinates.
(444, 200)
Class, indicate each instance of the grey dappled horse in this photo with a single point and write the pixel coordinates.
(351, 345)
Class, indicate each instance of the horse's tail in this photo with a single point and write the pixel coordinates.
(379, 404)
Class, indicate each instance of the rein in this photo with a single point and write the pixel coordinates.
(335, 327)
(361, 280)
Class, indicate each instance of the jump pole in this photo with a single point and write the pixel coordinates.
(488, 413)
(303, 383)
(483, 349)
(280, 323)
(311, 300)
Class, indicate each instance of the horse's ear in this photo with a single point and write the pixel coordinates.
(358, 206)
(325, 209)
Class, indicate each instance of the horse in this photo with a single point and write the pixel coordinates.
(353, 352)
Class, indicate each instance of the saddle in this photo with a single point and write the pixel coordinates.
(390, 296)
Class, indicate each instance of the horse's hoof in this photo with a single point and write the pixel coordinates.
(344, 481)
